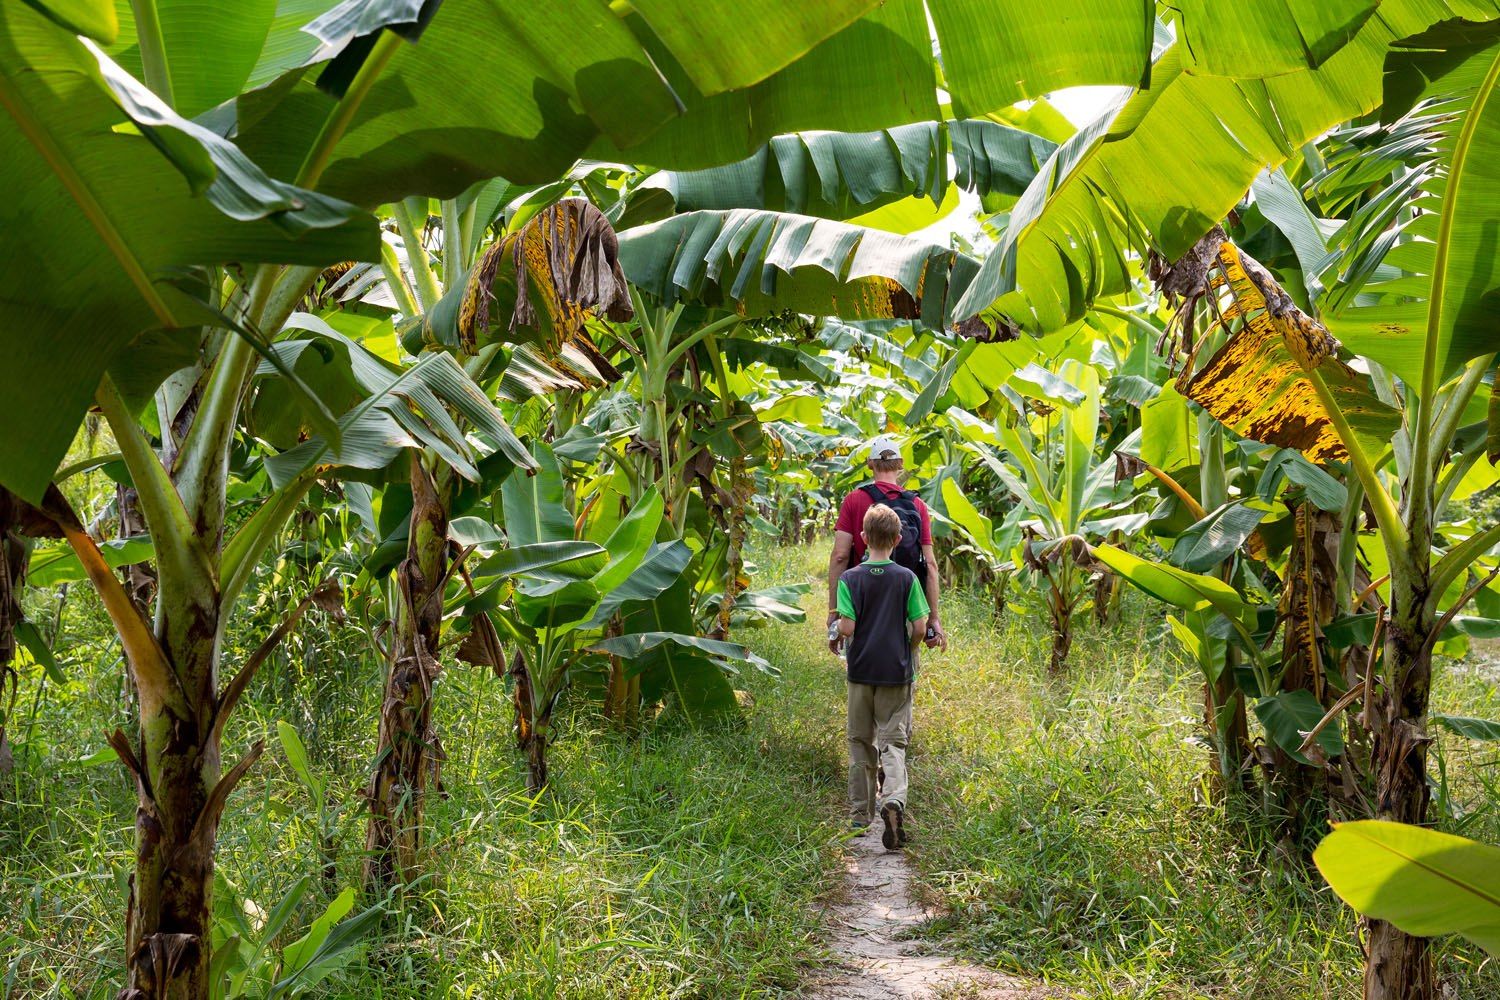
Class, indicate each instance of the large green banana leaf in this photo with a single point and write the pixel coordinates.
(839, 175)
(99, 225)
(211, 49)
(876, 73)
(761, 263)
(523, 89)
(1441, 311)
(1166, 165)
(1425, 882)
(997, 52)
(533, 505)
(1268, 37)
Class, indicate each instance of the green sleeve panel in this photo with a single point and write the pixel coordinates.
(916, 602)
(846, 602)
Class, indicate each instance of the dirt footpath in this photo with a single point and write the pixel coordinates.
(870, 935)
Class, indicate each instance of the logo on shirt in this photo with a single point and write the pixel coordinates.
(876, 572)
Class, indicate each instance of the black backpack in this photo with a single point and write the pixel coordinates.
(908, 551)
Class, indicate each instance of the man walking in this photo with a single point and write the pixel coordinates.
(882, 615)
(914, 551)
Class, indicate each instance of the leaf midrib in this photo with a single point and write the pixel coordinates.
(46, 145)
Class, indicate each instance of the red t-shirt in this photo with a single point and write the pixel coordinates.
(852, 518)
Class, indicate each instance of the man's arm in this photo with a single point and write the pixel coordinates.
(843, 547)
(843, 611)
(930, 587)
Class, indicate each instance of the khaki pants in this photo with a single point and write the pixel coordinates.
(879, 726)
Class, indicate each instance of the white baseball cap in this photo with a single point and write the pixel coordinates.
(884, 446)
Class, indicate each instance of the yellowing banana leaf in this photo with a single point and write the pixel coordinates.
(1257, 383)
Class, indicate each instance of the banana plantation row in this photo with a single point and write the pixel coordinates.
(539, 313)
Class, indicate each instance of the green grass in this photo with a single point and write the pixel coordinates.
(1064, 825)
(681, 864)
(1067, 828)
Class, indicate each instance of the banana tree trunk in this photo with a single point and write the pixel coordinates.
(1308, 603)
(139, 578)
(536, 761)
(408, 753)
(180, 787)
(14, 555)
(1060, 614)
(740, 490)
(1399, 966)
(1105, 586)
(534, 720)
(179, 802)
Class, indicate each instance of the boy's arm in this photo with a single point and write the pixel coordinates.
(918, 630)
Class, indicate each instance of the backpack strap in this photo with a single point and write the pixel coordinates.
(874, 492)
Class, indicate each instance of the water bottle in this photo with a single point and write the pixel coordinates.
(835, 638)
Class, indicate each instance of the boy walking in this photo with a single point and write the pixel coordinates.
(882, 616)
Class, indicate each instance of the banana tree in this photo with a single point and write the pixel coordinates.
(517, 316)
(1426, 330)
(994, 545)
(620, 598)
(1067, 492)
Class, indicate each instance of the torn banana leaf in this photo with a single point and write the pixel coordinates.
(538, 288)
(1257, 383)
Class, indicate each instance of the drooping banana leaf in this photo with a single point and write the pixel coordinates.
(393, 408)
(1257, 384)
(1165, 166)
(760, 263)
(838, 175)
(1188, 591)
(447, 111)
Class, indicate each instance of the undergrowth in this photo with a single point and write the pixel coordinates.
(675, 864)
(1064, 825)
(1067, 828)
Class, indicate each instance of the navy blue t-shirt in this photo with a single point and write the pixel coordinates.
(882, 599)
